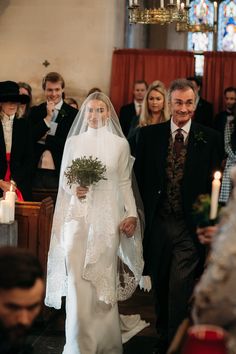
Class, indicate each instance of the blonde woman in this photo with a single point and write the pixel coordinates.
(154, 111)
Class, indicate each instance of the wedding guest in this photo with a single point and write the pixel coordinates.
(230, 103)
(93, 90)
(133, 109)
(71, 102)
(25, 89)
(174, 164)
(51, 122)
(204, 110)
(94, 230)
(154, 111)
(21, 295)
(15, 142)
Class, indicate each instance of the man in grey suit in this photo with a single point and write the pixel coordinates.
(175, 162)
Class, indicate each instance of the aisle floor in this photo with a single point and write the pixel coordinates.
(48, 337)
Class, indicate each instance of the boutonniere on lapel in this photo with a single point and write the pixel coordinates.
(63, 113)
(199, 137)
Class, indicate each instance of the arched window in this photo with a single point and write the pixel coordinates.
(201, 12)
(226, 40)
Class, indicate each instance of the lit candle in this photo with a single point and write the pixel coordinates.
(162, 4)
(215, 195)
(11, 198)
(215, 11)
(5, 211)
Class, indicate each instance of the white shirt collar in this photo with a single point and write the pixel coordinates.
(59, 105)
(6, 118)
(185, 128)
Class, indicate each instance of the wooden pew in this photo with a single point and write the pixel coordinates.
(40, 194)
(34, 227)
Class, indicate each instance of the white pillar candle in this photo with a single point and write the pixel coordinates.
(171, 2)
(215, 191)
(5, 211)
(215, 11)
(11, 198)
(178, 4)
(130, 3)
(187, 2)
(182, 6)
(162, 4)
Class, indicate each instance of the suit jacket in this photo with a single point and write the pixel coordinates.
(21, 156)
(204, 155)
(204, 113)
(127, 113)
(55, 144)
(220, 121)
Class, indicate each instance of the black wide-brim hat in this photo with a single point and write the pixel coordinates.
(10, 92)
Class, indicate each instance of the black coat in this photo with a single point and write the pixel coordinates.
(204, 113)
(204, 156)
(127, 113)
(21, 156)
(55, 144)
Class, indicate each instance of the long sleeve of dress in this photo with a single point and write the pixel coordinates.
(124, 172)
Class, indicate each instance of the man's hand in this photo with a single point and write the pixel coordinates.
(50, 109)
(128, 226)
(206, 234)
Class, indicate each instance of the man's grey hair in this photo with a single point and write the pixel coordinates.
(180, 84)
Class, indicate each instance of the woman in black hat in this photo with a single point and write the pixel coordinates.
(15, 142)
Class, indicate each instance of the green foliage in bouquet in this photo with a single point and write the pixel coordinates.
(85, 171)
(201, 210)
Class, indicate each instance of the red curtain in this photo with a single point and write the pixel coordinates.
(129, 65)
(219, 73)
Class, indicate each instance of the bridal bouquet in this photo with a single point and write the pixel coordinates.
(85, 171)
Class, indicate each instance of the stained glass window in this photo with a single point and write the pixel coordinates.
(226, 40)
(201, 12)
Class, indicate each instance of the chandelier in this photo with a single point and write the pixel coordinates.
(171, 12)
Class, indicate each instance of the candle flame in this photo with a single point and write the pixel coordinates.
(217, 175)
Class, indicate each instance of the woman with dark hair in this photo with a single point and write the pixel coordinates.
(15, 142)
(25, 89)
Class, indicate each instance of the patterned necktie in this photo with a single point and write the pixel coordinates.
(179, 142)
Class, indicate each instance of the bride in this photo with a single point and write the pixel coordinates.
(95, 255)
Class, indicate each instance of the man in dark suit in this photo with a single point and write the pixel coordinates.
(133, 109)
(51, 122)
(230, 104)
(204, 110)
(174, 164)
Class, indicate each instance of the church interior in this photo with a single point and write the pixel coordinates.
(107, 44)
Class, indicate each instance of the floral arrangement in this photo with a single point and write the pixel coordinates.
(201, 210)
(85, 171)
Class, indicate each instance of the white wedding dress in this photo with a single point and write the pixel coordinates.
(87, 249)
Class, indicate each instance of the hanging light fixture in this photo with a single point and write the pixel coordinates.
(177, 13)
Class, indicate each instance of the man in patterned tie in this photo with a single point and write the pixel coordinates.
(175, 162)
